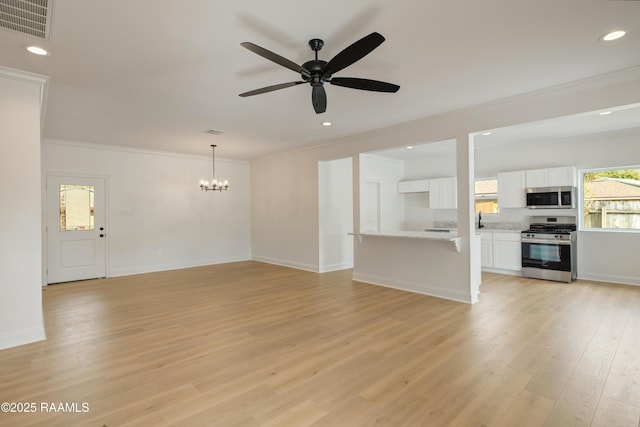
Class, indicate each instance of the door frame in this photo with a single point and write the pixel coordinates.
(378, 207)
(45, 219)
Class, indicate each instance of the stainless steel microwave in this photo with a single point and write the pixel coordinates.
(551, 197)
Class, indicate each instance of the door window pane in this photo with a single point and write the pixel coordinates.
(76, 207)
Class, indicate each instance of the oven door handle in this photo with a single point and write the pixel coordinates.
(547, 242)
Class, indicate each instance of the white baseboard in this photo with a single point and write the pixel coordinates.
(335, 267)
(22, 337)
(285, 263)
(501, 271)
(610, 278)
(419, 288)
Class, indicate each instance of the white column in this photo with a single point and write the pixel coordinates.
(21, 319)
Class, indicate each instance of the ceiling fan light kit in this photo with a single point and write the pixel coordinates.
(318, 72)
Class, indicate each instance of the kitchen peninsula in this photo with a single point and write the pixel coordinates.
(426, 262)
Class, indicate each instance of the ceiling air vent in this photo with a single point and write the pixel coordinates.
(31, 17)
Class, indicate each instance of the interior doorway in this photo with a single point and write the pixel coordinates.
(335, 216)
(75, 229)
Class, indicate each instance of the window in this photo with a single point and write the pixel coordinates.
(486, 195)
(611, 199)
(76, 207)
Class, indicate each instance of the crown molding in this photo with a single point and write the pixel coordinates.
(132, 150)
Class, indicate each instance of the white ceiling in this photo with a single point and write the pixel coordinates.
(618, 119)
(157, 74)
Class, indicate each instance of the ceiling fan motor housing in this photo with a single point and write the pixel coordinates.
(316, 78)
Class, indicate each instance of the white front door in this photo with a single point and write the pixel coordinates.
(76, 231)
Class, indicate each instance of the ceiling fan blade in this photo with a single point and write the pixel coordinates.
(275, 58)
(364, 84)
(353, 53)
(270, 88)
(319, 99)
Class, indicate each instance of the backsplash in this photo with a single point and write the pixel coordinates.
(508, 219)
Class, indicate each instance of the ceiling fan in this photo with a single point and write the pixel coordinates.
(317, 72)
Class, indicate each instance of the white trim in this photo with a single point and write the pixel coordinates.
(30, 78)
(23, 76)
(517, 273)
(22, 337)
(285, 263)
(621, 280)
(92, 146)
(418, 288)
(334, 267)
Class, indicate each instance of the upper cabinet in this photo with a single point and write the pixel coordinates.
(551, 177)
(511, 189)
(415, 186)
(443, 193)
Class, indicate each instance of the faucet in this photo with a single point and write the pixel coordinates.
(480, 220)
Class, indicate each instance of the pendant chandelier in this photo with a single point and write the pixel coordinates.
(214, 184)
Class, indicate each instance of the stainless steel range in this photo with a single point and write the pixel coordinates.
(549, 248)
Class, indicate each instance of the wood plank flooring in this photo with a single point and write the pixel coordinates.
(252, 344)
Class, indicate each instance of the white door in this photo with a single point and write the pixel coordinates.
(76, 234)
(371, 207)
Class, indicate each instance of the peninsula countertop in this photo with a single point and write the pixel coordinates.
(446, 236)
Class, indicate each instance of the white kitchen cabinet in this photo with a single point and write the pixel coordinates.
(562, 176)
(443, 193)
(414, 186)
(486, 249)
(537, 178)
(507, 251)
(511, 189)
(551, 177)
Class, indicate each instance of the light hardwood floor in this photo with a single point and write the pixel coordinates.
(252, 344)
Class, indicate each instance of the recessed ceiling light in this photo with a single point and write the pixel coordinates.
(613, 35)
(37, 50)
(409, 147)
(604, 113)
(326, 123)
(486, 133)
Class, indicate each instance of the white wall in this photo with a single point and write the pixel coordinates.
(284, 211)
(21, 319)
(157, 216)
(336, 214)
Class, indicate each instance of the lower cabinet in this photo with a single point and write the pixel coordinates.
(486, 249)
(501, 251)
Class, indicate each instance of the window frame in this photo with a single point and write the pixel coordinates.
(581, 212)
(476, 197)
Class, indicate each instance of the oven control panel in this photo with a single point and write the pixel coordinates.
(546, 236)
